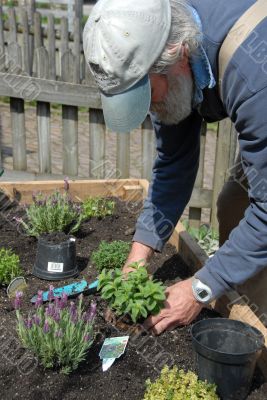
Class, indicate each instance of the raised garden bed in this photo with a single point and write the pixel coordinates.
(20, 377)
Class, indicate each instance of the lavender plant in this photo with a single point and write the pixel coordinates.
(60, 333)
(136, 295)
(9, 266)
(53, 213)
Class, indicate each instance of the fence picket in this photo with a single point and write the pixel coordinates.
(97, 134)
(148, 149)
(27, 66)
(2, 41)
(51, 47)
(123, 155)
(43, 115)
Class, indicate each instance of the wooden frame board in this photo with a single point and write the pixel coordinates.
(231, 305)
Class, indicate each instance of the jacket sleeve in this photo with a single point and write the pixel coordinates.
(174, 174)
(245, 253)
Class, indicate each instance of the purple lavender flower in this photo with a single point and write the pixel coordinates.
(28, 323)
(74, 316)
(46, 327)
(64, 300)
(59, 333)
(36, 320)
(66, 184)
(86, 337)
(50, 310)
(56, 315)
(39, 300)
(18, 301)
(91, 313)
(51, 293)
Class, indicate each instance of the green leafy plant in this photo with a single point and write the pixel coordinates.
(53, 213)
(9, 266)
(135, 294)
(206, 237)
(111, 255)
(59, 334)
(97, 207)
(179, 385)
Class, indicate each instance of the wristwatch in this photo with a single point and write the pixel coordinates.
(201, 292)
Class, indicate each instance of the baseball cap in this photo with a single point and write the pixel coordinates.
(122, 39)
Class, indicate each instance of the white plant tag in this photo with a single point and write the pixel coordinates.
(55, 267)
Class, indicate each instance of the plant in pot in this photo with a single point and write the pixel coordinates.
(52, 219)
(59, 334)
(134, 296)
(110, 255)
(9, 266)
(177, 384)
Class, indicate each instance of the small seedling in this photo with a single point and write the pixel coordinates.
(59, 334)
(173, 384)
(9, 266)
(111, 255)
(135, 294)
(206, 237)
(98, 207)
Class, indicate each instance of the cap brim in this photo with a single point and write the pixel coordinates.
(126, 111)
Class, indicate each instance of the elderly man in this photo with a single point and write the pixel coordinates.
(162, 56)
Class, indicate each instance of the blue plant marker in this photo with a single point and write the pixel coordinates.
(71, 290)
(1, 172)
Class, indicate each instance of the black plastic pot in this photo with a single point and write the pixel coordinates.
(227, 352)
(55, 261)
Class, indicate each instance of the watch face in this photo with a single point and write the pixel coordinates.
(203, 294)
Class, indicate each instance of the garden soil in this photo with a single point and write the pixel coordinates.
(21, 377)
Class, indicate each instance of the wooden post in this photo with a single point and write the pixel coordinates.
(225, 152)
(2, 42)
(97, 134)
(148, 149)
(194, 212)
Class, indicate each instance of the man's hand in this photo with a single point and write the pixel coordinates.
(139, 253)
(181, 308)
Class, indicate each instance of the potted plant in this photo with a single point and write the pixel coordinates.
(9, 266)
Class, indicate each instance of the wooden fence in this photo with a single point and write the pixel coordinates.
(46, 65)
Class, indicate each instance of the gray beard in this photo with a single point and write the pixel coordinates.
(178, 103)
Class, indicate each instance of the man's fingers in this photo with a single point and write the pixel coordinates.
(152, 320)
(164, 325)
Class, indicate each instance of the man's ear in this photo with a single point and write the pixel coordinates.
(183, 62)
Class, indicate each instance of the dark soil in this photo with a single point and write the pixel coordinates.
(21, 377)
(56, 238)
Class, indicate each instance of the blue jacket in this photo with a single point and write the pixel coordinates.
(245, 103)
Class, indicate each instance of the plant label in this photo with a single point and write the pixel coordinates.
(112, 348)
(16, 285)
(55, 267)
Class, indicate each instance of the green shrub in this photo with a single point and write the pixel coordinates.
(136, 295)
(9, 266)
(111, 255)
(59, 334)
(179, 385)
(98, 207)
(53, 213)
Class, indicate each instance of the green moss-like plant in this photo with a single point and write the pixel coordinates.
(98, 207)
(135, 294)
(179, 385)
(9, 266)
(110, 255)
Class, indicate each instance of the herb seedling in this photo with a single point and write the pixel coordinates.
(9, 266)
(111, 255)
(136, 295)
(173, 384)
(97, 207)
(59, 334)
(206, 237)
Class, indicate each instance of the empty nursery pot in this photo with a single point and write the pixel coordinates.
(56, 257)
(226, 352)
